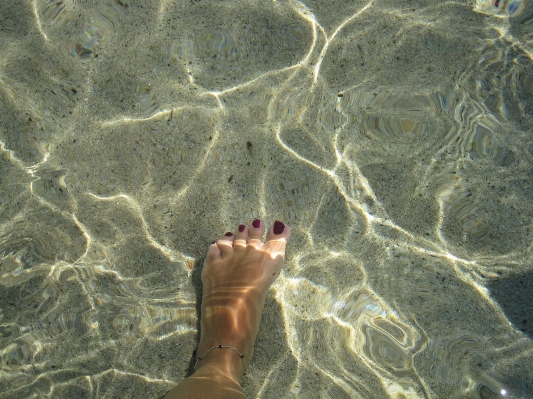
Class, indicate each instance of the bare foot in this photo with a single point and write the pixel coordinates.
(237, 273)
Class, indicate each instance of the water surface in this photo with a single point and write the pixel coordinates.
(393, 136)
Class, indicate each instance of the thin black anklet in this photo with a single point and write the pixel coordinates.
(221, 347)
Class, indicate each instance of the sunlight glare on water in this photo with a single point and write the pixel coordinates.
(394, 137)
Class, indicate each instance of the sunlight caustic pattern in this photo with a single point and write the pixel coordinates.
(392, 136)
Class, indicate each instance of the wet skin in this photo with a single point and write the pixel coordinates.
(237, 273)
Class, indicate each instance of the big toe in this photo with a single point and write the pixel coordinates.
(277, 237)
(279, 231)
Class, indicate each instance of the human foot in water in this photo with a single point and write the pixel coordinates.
(237, 273)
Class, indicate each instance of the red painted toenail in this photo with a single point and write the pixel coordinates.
(228, 234)
(241, 228)
(213, 243)
(256, 223)
(278, 227)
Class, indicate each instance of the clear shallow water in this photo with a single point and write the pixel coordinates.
(394, 137)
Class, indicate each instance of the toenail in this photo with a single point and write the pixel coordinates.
(278, 227)
(241, 228)
(256, 223)
(228, 234)
(213, 243)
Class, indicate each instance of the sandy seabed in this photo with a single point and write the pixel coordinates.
(394, 137)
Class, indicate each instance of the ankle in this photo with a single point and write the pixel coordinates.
(220, 360)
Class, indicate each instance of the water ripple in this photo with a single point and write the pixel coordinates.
(394, 138)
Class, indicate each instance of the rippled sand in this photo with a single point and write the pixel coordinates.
(393, 136)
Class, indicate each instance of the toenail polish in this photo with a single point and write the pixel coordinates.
(213, 243)
(228, 234)
(278, 227)
(256, 223)
(241, 228)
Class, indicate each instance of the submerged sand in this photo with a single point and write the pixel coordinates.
(392, 136)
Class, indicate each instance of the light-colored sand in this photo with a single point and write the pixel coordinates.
(393, 136)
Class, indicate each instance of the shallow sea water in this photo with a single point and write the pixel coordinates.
(394, 137)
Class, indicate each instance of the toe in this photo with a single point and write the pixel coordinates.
(213, 252)
(279, 232)
(225, 243)
(241, 236)
(276, 240)
(256, 230)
